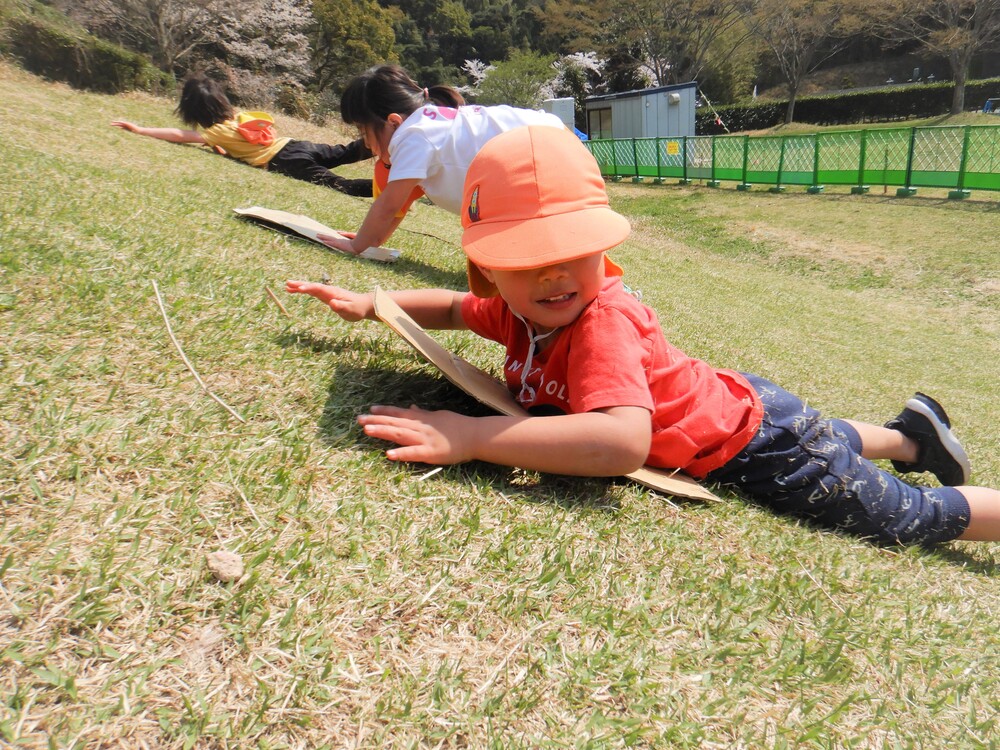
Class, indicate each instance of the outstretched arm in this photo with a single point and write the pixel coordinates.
(380, 222)
(437, 309)
(174, 135)
(606, 442)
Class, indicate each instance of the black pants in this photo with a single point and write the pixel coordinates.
(312, 162)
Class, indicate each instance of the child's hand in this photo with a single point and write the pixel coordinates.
(348, 305)
(429, 437)
(125, 125)
(342, 243)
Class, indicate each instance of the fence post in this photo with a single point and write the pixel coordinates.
(960, 191)
(744, 185)
(713, 182)
(658, 180)
(906, 191)
(778, 187)
(684, 157)
(815, 187)
(635, 160)
(614, 160)
(861, 188)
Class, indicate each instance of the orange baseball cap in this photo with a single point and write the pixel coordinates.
(534, 196)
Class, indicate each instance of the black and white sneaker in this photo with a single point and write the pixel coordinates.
(925, 421)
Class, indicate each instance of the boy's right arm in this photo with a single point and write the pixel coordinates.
(436, 309)
(173, 135)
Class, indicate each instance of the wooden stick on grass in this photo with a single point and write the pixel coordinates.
(197, 377)
(277, 302)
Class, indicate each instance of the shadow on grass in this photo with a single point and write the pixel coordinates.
(428, 275)
(322, 345)
(355, 387)
(971, 205)
(974, 557)
(380, 376)
(407, 266)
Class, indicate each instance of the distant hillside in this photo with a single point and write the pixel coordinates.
(899, 68)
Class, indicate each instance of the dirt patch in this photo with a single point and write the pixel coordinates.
(788, 242)
(647, 233)
(988, 287)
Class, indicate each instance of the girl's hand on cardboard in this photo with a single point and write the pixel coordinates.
(342, 243)
(429, 437)
(350, 306)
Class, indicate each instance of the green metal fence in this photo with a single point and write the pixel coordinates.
(957, 158)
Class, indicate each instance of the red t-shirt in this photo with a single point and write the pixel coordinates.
(615, 354)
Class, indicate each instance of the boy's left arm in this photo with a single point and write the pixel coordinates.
(606, 442)
(173, 135)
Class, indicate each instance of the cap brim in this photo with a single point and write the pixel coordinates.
(480, 286)
(544, 240)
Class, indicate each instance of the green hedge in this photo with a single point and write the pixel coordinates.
(870, 105)
(80, 59)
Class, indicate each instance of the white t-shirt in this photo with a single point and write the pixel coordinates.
(436, 145)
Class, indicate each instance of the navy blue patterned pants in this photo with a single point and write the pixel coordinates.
(801, 464)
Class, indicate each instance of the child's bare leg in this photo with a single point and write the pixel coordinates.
(984, 514)
(881, 442)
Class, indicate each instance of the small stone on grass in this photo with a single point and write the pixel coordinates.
(225, 566)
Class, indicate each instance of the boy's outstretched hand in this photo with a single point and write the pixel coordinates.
(429, 437)
(350, 306)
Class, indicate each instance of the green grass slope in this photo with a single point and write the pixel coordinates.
(477, 606)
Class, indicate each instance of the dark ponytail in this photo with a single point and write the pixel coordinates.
(203, 102)
(371, 97)
(445, 96)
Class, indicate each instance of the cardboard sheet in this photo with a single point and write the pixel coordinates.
(309, 229)
(490, 391)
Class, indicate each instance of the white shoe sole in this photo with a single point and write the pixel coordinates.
(948, 440)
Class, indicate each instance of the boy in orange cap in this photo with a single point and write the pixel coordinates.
(607, 393)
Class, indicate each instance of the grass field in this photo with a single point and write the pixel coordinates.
(475, 607)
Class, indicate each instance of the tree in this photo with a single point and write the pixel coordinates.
(494, 32)
(576, 75)
(264, 49)
(673, 40)
(802, 34)
(519, 81)
(169, 31)
(433, 37)
(450, 31)
(568, 26)
(957, 30)
(350, 36)
(260, 47)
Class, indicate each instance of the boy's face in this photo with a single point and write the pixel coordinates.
(552, 296)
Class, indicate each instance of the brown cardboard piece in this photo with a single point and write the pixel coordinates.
(309, 229)
(490, 391)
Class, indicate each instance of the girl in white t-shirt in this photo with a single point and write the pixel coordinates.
(426, 136)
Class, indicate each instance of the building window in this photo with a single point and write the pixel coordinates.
(599, 123)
